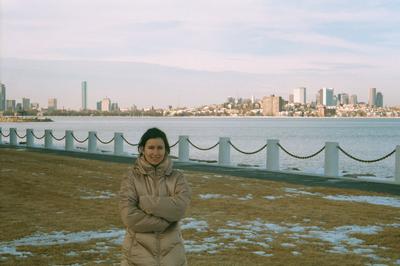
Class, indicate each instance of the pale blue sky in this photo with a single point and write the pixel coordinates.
(277, 45)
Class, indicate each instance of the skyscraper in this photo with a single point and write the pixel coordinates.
(353, 99)
(299, 95)
(379, 99)
(372, 97)
(52, 104)
(2, 97)
(106, 105)
(272, 105)
(26, 104)
(84, 95)
(327, 97)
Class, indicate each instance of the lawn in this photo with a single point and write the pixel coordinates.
(61, 210)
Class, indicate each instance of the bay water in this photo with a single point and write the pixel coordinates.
(364, 138)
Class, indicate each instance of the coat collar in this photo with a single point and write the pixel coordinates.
(145, 168)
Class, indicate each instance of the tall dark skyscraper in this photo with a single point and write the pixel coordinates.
(84, 95)
(2, 97)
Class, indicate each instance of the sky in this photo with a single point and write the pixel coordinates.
(188, 53)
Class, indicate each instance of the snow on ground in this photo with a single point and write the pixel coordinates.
(96, 194)
(233, 235)
(376, 200)
(212, 196)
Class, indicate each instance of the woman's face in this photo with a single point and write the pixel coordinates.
(154, 151)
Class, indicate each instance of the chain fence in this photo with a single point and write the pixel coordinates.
(21, 137)
(129, 143)
(298, 156)
(366, 161)
(245, 152)
(104, 142)
(80, 141)
(36, 137)
(173, 145)
(203, 149)
(54, 137)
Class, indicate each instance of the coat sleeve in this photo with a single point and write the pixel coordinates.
(134, 218)
(171, 208)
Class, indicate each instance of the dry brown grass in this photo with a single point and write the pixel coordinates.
(42, 193)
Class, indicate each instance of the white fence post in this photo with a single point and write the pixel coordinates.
(92, 146)
(30, 141)
(69, 140)
(331, 159)
(224, 154)
(118, 144)
(13, 136)
(48, 139)
(183, 148)
(272, 155)
(397, 167)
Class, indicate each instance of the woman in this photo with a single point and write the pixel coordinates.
(153, 198)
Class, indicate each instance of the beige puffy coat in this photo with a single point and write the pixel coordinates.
(152, 201)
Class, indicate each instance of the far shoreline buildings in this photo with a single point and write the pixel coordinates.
(84, 96)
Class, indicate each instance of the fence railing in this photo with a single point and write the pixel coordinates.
(331, 155)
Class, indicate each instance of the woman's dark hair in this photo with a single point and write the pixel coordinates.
(153, 133)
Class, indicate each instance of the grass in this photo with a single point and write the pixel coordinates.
(42, 193)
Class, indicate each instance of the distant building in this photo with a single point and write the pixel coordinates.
(114, 107)
(98, 106)
(299, 95)
(26, 104)
(3, 102)
(84, 95)
(343, 98)
(52, 104)
(106, 105)
(320, 97)
(291, 98)
(372, 97)
(10, 105)
(328, 97)
(272, 105)
(18, 108)
(324, 111)
(379, 99)
(35, 106)
(353, 99)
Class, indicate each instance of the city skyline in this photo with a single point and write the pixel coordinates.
(193, 53)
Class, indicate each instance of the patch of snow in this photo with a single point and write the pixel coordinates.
(98, 195)
(247, 197)
(11, 250)
(376, 200)
(296, 253)
(272, 197)
(301, 192)
(191, 223)
(212, 196)
(193, 247)
(262, 253)
(72, 254)
(288, 245)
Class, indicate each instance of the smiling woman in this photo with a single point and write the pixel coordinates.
(153, 199)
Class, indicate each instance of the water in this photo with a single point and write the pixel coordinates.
(365, 138)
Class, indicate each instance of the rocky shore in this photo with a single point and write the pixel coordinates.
(24, 119)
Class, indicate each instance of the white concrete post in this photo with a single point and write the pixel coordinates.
(331, 159)
(272, 155)
(397, 167)
(13, 136)
(92, 146)
(118, 144)
(183, 148)
(224, 154)
(1, 140)
(69, 140)
(48, 139)
(30, 141)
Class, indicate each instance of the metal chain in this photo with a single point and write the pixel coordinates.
(367, 161)
(203, 149)
(129, 143)
(176, 143)
(301, 157)
(54, 137)
(21, 137)
(80, 141)
(33, 134)
(5, 135)
(104, 142)
(244, 152)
